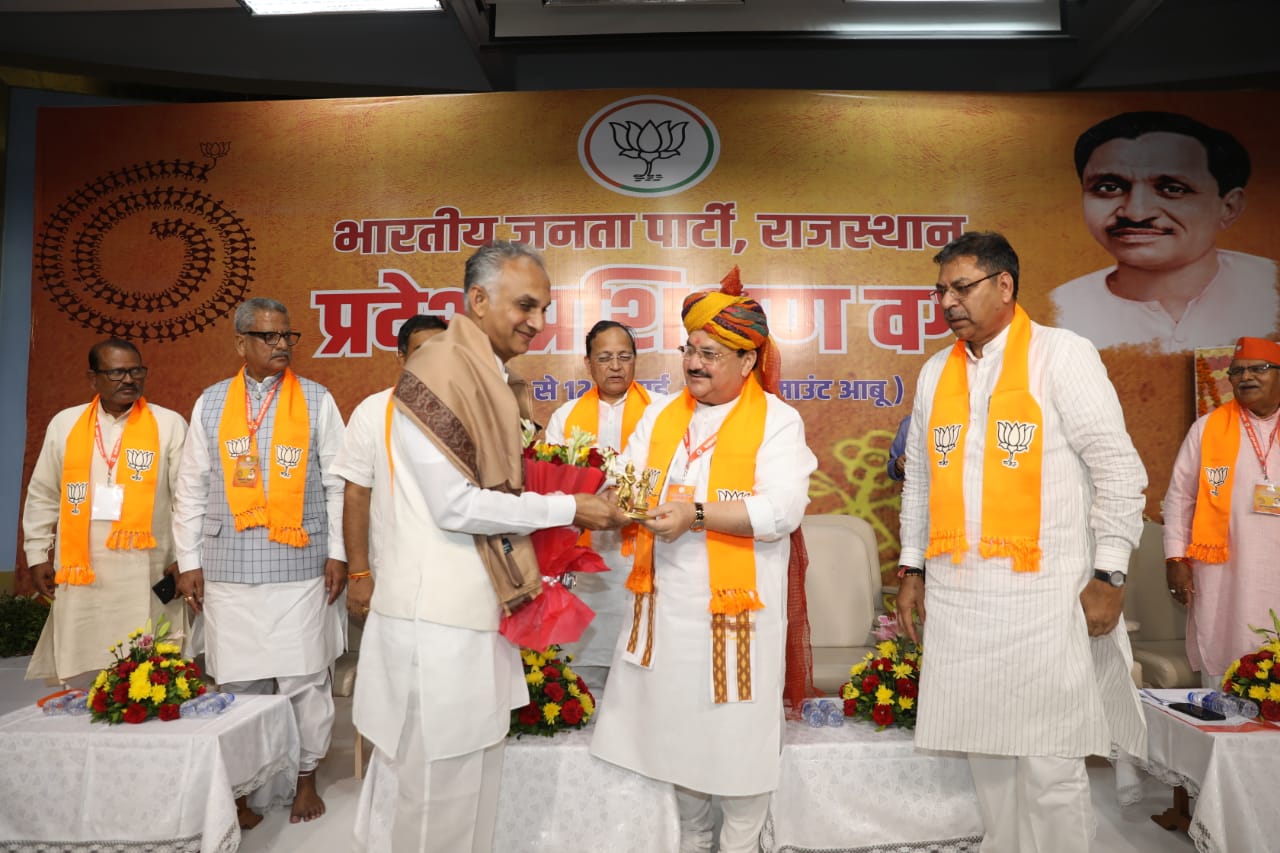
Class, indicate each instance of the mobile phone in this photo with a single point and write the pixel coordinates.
(1196, 711)
(165, 589)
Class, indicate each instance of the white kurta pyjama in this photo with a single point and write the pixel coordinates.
(661, 721)
(1009, 668)
(363, 461)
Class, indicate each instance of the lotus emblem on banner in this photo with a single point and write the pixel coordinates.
(675, 143)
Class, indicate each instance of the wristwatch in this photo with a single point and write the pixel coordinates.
(1113, 578)
(699, 519)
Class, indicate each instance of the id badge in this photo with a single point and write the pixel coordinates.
(680, 493)
(107, 502)
(1266, 498)
(246, 473)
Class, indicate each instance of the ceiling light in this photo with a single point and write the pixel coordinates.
(309, 7)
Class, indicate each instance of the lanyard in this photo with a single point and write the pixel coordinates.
(1253, 439)
(115, 451)
(254, 423)
(697, 453)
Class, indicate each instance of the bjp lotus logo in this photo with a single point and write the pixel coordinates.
(675, 141)
(1014, 437)
(1216, 477)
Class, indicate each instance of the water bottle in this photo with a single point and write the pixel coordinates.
(208, 705)
(812, 712)
(62, 704)
(1227, 706)
(78, 706)
(834, 712)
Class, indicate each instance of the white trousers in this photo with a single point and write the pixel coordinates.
(1033, 803)
(743, 818)
(312, 699)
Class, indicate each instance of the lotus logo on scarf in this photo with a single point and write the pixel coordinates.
(649, 145)
(945, 439)
(733, 494)
(1014, 437)
(139, 462)
(1216, 477)
(76, 493)
(238, 447)
(287, 458)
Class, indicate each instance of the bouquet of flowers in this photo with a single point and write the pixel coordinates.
(556, 615)
(558, 697)
(149, 679)
(883, 686)
(1254, 676)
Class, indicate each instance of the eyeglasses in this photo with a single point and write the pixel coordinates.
(273, 338)
(623, 358)
(960, 291)
(1251, 369)
(117, 374)
(706, 356)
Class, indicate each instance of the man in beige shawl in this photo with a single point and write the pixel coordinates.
(437, 681)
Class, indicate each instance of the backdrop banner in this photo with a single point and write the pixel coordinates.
(154, 222)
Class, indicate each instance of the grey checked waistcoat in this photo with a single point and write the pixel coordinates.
(247, 556)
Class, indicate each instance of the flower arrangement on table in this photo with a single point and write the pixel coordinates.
(556, 615)
(558, 697)
(149, 679)
(883, 686)
(1254, 676)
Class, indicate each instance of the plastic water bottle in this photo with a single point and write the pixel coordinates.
(208, 705)
(834, 713)
(78, 706)
(812, 712)
(63, 704)
(1227, 706)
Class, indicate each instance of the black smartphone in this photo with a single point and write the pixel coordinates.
(165, 589)
(1196, 711)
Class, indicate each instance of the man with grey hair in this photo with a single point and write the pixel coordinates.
(258, 528)
(437, 681)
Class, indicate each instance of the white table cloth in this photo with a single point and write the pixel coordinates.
(854, 788)
(157, 786)
(1231, 773)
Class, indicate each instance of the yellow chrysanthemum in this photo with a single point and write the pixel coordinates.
(574, 691)
(140, 683)
(551, 712)
(534, 677)
(901, 670)
(158, 692)
(1258, 692)
(1273, 692)
(570, 675)
(588, 705)
(884, 696)
(1231, 670)
(101, 680)
(858, 668)
(850, 692)
(888, 649)
(184, 689)
(905, 702)
(167, 649)
(528, 656)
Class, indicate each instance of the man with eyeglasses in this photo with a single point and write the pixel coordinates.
(258, 526)
(100, 497)
(610, 412)
(1222, 515)
(1022, 504)
(696, 688)
(1158, 190)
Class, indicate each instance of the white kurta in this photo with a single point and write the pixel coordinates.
(363, 461)
(1009, 668)
(604, 592)
(661, 721)
(86, 621)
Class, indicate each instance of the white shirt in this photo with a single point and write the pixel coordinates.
(363, 461)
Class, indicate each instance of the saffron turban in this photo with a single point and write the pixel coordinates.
(1256, 349)
(736, 320)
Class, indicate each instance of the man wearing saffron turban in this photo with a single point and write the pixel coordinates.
(1222, 515)
(1022, 502)
(695, 692)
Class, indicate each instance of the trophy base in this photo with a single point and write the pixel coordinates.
(636, 514)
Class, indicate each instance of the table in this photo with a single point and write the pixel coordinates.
(1231, 772)
(161, 786)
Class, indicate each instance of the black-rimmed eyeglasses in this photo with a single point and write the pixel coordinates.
(960, 291)
(117, 374)
(1251, 369)
(273, 338)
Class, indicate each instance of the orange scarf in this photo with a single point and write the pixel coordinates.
(585, 415)
(140, 453)
(280, 507)
(731, 559)
(1010, 465)
(1219, 448)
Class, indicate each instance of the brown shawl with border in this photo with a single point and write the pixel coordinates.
(453, 390)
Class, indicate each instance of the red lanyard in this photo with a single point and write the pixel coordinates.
(701, 450)
(115, 451)
(1253, 439)
(254, 423)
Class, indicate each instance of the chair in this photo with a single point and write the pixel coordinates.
(843, 591)
(1159, 641)
(344, 684)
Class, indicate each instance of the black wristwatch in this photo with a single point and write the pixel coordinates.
(1116, 579)
(699, 519)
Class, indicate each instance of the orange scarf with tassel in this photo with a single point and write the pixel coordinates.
(139, 452)
(1011, 461)
(585, 415)
(1219, 448)
(278, 508)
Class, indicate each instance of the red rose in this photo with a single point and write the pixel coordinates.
(529, 715)
(1271, 710)
(554, 691)
(882, 715)
(594, 458)
(168, 711)
(870, 683)
(1248, 667)
(550, 671)
(156, 660)
(126, 667)
(571, 713)
(100, 701)
(906, 687)
(135, 713)
(159, 676)
(850, 707)
(883, 664)
(1265, 655)
(201, 690)
(121, 691)
(193, 670)
(582, 686)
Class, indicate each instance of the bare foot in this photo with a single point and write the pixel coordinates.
(248, 817)
(307, 804)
